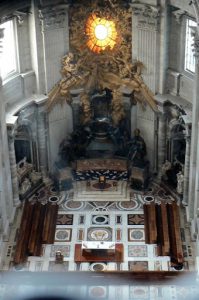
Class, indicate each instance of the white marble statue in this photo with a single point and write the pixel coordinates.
(35, 176)
(165, 167)
(25, 186)
(180, 180)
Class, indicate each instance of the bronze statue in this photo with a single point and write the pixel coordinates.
(137, 147)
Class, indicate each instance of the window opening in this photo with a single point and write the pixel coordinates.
(189, 55)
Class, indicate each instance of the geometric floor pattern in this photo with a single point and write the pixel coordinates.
(120, 222)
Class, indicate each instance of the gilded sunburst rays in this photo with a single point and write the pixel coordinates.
(101, 34)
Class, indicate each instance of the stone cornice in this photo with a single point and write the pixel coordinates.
(148, 15)
(195, 4)
(53, 16)
(145, 10)
(19, 15)
(179, 13)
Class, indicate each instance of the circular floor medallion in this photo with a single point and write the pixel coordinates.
(97, 267)
(148, 198)
(99, 234)
(97, 292)
(127, 205)
(137, 234)
(73, 205)
(61, 235)
(100, 220)
(53, 199)
(178, 267)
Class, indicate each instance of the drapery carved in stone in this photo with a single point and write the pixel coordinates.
(110, 69)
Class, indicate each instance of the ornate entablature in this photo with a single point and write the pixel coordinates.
(148, 15)
(20, 15)
(53, 16)
(195, 4)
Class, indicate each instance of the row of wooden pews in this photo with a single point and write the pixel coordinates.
(162, 227)
(38, 224)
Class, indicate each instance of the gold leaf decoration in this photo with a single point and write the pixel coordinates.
(110, 69)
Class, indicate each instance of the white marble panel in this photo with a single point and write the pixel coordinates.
(60, 126)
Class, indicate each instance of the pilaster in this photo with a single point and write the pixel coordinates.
(42, 139)
(13, 168)
(1, 46)
(7, 209)
(55, 38)
(146, 24)
(187, 166)
(194, 157)
(161, 141)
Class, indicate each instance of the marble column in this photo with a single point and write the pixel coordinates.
(13, 170)
(146, 26)
(161, 142)
(194, 159)
(76, 112)
(127, 110)
(42, 146)
(187, 169)
(54, 26)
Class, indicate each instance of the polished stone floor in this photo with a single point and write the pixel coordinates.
(120, 222)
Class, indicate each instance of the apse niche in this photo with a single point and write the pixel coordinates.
(23, 146)
(100, 72)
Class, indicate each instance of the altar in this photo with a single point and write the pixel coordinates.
(98, 251)
(95, 245)
(113, 191)
(91, 169)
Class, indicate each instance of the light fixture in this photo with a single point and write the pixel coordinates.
(101, 34)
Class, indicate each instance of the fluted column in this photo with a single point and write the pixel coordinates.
(55, 32)
(42, 146)
(187, 168)
(161, 141)
(146, 26)
(1, 41)
(13, 170)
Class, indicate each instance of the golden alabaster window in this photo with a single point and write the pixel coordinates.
(101, 34)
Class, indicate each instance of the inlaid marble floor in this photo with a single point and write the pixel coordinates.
(121, 221)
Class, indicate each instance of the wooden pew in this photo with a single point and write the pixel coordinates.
(38, 246)
(35, 238)
(162, 230)
(49, 223)
(150, 223)
(38, 225)
(176, 251)
(52, 228)
(24, 232)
